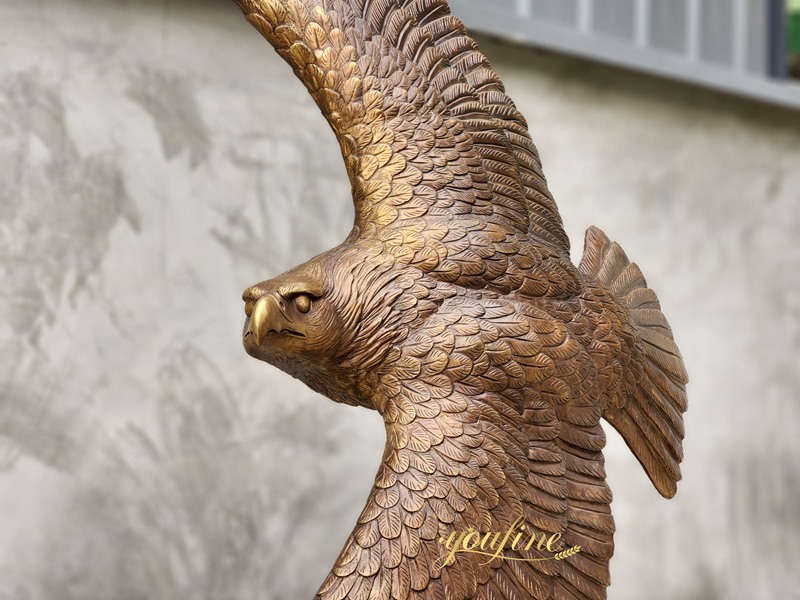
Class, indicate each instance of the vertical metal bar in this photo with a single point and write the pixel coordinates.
(642, 25)
(585, 16)
(739, 37)
(777, 38)
(524, 8)
(693, 18)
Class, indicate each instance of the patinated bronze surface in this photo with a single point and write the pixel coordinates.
(453, 309)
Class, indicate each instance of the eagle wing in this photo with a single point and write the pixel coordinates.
(443, 171)
(481, 435)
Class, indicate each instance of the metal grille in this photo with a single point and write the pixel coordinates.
(737, 46)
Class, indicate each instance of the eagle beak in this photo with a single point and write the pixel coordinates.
(268, 317)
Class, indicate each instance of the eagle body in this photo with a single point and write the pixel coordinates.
(453, 309)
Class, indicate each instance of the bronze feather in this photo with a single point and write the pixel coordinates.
(454, 310)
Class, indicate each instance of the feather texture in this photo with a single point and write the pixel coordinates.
(454, 310)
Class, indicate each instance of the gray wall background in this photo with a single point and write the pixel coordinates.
(157, 157)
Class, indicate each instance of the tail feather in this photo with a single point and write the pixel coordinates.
(630, 279)
(651, 420)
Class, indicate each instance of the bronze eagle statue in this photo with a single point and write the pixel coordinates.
(453, 309)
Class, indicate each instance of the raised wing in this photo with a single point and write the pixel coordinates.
(490, 419)
(443, 171)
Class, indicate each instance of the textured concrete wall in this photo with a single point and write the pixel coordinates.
(157, 158)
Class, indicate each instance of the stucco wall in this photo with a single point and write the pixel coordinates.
(157, 158)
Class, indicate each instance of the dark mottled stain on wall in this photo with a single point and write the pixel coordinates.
(188, 504)
(59, 210)
(171, 103)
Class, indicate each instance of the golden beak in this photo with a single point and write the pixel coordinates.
(268, 317)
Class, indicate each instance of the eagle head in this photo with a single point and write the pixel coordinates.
(319, 322)
(293, 316)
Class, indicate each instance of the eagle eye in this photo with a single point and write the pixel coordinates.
(249, 304)
(302, 302)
